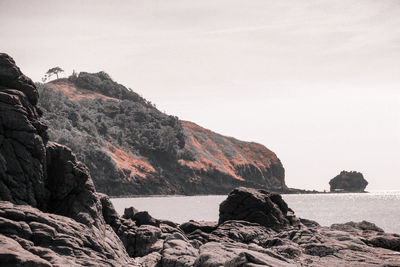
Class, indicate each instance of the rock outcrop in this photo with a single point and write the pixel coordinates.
(51, 215)
(257, 206)
(23, 139)
(39, 179)
(348, 182)
(131, 148)
(30, 237)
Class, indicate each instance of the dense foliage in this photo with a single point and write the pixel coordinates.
(131, 148)
(102, 83)
(86, 125)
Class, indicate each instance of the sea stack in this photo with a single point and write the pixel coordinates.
(348, 182)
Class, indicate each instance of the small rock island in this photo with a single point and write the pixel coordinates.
(348, 182)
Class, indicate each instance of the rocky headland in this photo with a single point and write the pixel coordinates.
(132, 148)
(51, 214)
(348, 182)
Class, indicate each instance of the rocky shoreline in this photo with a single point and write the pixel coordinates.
(51, 214)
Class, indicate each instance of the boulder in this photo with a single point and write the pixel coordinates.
(51, 214)
(146, 239)
(257, 206)
(129, 213)
(227, 254)
(177, 251)
(191, 226)
(144, 218)
(348, 182)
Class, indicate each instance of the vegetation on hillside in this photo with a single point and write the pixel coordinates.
(129, 122)
(132, 148)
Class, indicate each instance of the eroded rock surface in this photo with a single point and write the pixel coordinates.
(258, 206)
(30, 237)
(348, 182)
(51, 215)
(39, 179)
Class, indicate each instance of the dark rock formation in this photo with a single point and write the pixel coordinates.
(348, 182)
(191, 226)
(51, 215)
(22, 139)
(29, 237)
(257, 206)
(46, 176)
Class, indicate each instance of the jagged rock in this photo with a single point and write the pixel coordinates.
(12, 77)
(72, 192)
(47, 176)
(241, 231)
(353, 226)
(257, 206)
(143, 217)
(348, 182)
(126, 231)
(389, 242)
(150, 260)
(146, 239)
(129, 213)
(110, 215)
(13, 254)
(22, 139)
(256, 228)
(232, 255)
(178, 252)
(191, 226)
(309, 223)
(34, 238)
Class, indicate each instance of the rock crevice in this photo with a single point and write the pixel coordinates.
(51, 214)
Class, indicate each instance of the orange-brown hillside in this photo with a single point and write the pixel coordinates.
(71, 91)
(241, 160)
(132, 148)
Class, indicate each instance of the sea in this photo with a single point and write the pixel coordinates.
(379, 207)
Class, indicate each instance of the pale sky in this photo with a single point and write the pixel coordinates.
(316, 81)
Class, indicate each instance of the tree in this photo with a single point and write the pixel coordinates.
(55, 70)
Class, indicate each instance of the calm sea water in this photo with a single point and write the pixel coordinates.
(381, 208)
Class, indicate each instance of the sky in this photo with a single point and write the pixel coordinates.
(316, 81)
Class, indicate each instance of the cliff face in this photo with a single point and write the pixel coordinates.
(63, 221)
(46, 178)
(348, 182)
(132, 148)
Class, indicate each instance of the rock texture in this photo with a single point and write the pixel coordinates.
(240, 241)
(39, 179)
(30, 237)
(22, 139)
(51, 215)
(257, 206)
(348, 182)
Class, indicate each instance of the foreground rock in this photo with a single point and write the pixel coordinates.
(51, 214)
(39, 179)
(240, 241)
(348, 182)
(30, 237)
(258, 206)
